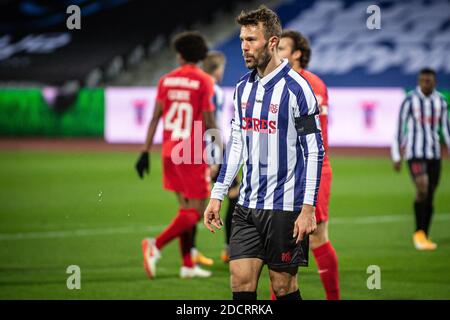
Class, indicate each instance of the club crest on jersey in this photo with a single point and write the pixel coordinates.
(244, 105)
(273, 108)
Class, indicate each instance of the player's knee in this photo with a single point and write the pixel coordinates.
(191, 216)
(319, 237)
(196, 204)
(239, 284)
(242, 282)
(422, 194)
(284, 286)
(421, 188)
(316, 241)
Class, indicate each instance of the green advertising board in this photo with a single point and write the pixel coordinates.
(25, 112)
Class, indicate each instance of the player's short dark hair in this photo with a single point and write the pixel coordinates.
(213, 60)
(428, 71)
(191, 45)
(301, 43)
(270, 20)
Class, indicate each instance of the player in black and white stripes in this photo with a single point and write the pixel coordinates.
(422, 115)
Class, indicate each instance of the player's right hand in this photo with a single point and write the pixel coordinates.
(397, 166)
(143, 164)
(305, 223)
(211, 217)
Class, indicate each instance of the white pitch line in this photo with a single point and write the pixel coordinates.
(76, 233)
(384, 219)
(135, 229)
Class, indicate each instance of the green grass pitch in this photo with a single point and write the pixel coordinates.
(90, 209)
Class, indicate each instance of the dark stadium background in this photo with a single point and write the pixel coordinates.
(74, 105)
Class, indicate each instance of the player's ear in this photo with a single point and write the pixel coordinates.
(297, 55)
(273, 43)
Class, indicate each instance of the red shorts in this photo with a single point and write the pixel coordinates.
(323, 198)
(192, 181)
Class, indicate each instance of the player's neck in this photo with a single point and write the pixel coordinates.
(297, 68)
(426, 93)
(273, 63)
(184, 63)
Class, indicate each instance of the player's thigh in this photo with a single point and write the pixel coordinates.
(320, 236)
(182, 201)
(419, 175)
(245, 273)
(245, 239)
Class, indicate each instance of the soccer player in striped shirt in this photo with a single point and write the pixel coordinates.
(295, 47)
(276, 135)
(422, 114)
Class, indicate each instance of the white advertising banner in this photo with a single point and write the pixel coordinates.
(127, 115)
(128, 112)
(358, 117)
(363, 117)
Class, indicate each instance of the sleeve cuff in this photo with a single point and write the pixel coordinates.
(310, 201)
(219, 191)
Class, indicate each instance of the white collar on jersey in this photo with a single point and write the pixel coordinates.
(264, 80)
(422, 95)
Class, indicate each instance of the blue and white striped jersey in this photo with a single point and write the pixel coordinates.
(282, 158)
(418, 126)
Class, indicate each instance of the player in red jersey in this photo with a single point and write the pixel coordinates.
(184, 101)
(295, 47)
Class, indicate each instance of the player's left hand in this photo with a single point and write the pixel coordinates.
(305, 223)
(211, 216)
(143, 164)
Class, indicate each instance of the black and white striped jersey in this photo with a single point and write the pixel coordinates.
(421, 117)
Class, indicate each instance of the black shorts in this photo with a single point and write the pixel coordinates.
(267, 235)
(431, 168)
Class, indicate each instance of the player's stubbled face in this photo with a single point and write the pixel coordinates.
(255, 48)
(285, 49)
(427, 83)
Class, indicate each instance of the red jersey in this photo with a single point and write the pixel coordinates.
(320, 90)
(184, 94)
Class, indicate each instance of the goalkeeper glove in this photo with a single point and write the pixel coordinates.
(143, 164)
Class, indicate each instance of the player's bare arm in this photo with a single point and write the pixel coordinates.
(305, 223)
(152, 126)
(208, 119)
(211, 217)
(210, 123)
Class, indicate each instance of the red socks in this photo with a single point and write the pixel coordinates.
(327, 264)
(183, 222)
